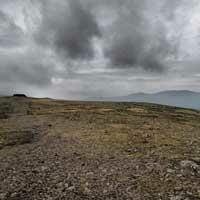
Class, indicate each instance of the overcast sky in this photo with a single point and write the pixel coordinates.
(75, 49)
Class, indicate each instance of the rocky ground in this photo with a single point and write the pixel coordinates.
(82, 150)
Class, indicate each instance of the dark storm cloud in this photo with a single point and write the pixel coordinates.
(10, 34)
(70, 27)
(137, 37)
(140, 38)
(136, 51)
(125, 51)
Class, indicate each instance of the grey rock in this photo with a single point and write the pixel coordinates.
(189, 164)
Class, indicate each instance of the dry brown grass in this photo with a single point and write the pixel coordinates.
(146, 138)
(150, 128)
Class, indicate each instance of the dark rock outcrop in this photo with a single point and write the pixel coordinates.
(19, 95)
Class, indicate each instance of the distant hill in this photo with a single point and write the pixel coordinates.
(179, 98)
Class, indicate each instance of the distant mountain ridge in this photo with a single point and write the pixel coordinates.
(179, 98)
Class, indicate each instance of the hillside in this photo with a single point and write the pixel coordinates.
(51, 149)
(179, 98)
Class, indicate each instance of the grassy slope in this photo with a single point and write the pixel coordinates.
(132, 150)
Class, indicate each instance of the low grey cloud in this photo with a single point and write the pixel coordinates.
(81, 48)
(26, 69)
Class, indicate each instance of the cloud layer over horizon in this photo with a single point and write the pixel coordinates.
(84, 48)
